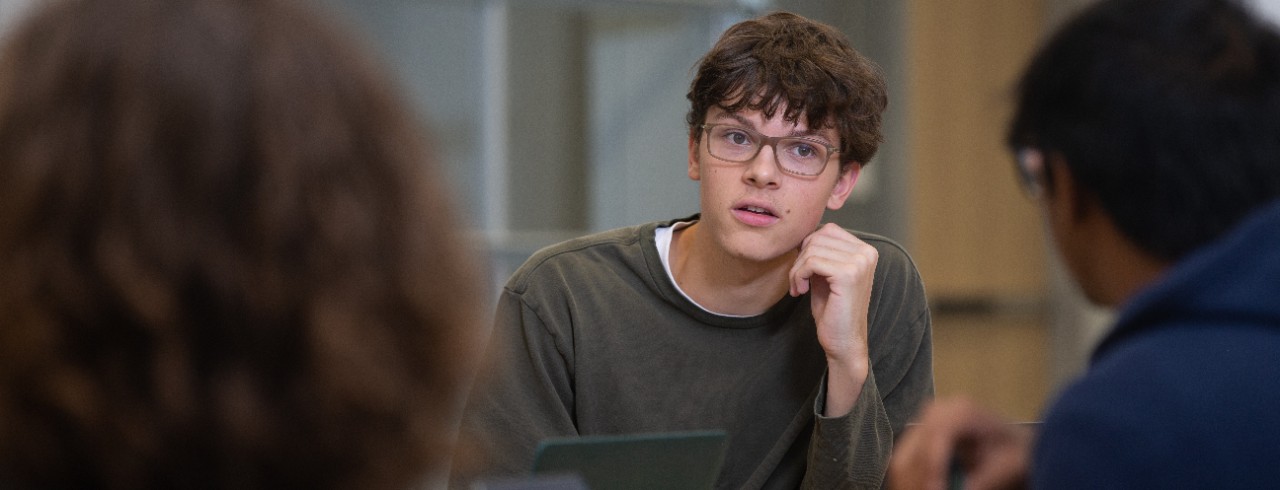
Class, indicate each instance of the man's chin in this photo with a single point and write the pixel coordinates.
(756, 250)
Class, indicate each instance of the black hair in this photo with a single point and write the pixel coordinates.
(1165, 111)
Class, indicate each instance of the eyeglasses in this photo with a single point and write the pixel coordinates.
(1030, 165)
(796, 155)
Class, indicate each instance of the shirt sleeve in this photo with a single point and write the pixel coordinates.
(850, 451)
(524, 395)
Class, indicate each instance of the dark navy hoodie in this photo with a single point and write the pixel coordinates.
(1184, 391)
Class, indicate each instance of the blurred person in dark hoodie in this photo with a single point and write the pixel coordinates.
(1149, 132)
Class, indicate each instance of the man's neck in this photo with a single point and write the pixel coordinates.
(1121, 270)
(1109, 267)
(722, 283)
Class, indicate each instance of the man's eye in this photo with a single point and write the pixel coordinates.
(804, 150)
(738, 138)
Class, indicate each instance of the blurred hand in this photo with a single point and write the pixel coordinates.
(992, 453)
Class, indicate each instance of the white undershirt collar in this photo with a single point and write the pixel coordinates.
(662, 237)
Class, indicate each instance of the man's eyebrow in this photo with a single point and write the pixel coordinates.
(813, 134)
(741, 120)
(806, 133)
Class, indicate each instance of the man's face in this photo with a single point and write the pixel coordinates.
(754, 210)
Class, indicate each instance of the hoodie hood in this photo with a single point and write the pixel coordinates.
(1232, 281)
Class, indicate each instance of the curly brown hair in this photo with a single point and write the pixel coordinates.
(227, 261)
(785, 59)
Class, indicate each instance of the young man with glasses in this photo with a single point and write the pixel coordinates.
(808, 344)
(1148, 132)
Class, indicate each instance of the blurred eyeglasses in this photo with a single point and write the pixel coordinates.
(1030, 165)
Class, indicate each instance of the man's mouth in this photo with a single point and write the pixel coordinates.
(757, 210)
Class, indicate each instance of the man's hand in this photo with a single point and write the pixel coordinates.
(838, 268)
(992, 453)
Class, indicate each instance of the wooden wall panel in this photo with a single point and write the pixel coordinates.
(973, 233)
(1002, 361)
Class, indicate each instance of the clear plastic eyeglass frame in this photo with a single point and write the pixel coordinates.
(759, 141)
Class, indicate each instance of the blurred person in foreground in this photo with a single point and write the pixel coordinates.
(225, 257)
(808, 344)
(1149, 133)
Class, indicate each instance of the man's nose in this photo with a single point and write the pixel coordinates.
(762, 171)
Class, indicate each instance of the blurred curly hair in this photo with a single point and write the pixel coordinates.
(228, 261)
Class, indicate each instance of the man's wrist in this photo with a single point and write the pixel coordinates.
(845, 380)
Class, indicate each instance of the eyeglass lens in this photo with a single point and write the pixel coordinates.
(1030, 163)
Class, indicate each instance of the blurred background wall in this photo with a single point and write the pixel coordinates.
(557, 118)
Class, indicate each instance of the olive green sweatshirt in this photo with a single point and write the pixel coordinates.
(591, 337)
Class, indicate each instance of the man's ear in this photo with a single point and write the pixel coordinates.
(694, 171)
(844, 186)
